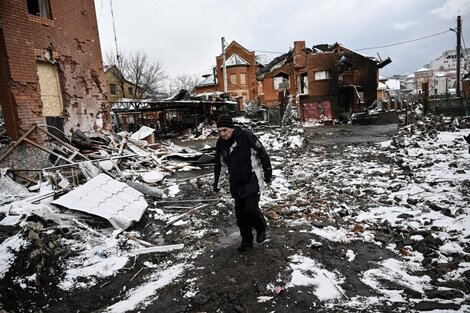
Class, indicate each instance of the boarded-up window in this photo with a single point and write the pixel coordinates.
(50, 89)
(242, 79)
(233, 79)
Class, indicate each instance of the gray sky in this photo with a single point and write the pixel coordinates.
(184, 35)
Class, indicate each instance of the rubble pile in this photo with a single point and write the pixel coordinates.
(351, 226)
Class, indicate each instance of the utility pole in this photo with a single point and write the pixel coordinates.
(459, 47)
(224, 68)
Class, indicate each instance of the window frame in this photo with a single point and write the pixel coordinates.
(233, 79)
(112, 89)
(243, 79)
(39, 8)
(327, 75)
(303, 83)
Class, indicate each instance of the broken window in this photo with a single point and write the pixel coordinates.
(233, 79)
(303, 83)
(242, 79)
(281, 81)
(51, 95)
(112, 89)
(319, 75)
(39, 8)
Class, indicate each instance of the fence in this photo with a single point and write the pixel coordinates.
(451, 107)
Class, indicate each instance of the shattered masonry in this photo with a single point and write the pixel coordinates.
(58, 52)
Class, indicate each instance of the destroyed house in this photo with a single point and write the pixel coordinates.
(329, 82)
(51, 70)
(172, 115)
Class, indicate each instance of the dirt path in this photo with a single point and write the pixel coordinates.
(217, 278)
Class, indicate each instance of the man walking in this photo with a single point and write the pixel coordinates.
(248, 165)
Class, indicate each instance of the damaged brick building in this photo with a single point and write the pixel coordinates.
(51, 69)
(329, 82)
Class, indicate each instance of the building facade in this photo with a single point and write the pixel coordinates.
(51, 69)
(118, 88)
(241, 67)
(328, 82)
(448, 61)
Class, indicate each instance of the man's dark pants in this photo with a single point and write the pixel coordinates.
(249, 216)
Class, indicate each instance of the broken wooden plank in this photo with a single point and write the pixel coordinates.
(46, 150)
(157, 249)
(179, 217)
(177, 207)
(14, 144)
(142, 242)
(187, 200)
(97, 160)
(73, 149)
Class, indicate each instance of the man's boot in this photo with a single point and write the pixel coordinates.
(260, 236)
(244, 246)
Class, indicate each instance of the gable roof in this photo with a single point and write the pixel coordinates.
(234, 43)
(236, 60)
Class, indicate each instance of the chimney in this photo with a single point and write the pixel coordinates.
(300, 55)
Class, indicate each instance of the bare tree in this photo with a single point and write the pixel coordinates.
(148, 77)
(136, 69)
(186, 82)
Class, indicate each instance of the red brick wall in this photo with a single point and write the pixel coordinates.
(251, 85)
(322, 62)
(72, 37)
(271, 97)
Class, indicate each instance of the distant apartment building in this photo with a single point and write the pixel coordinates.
(448, 61)
(51, 68)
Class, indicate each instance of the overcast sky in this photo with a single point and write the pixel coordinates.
(185, 35)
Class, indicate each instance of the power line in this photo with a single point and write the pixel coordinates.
(377, 47)
(275, 52)
(114, 30)
(403, 42)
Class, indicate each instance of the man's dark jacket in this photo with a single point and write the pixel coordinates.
(237, 153)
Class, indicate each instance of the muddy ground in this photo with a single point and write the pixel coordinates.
(224, 280)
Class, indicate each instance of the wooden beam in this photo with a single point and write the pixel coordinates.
(14, 144)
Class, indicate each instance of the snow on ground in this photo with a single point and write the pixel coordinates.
(307, 272)
(7, 252)
(143, 295)
(429, 198)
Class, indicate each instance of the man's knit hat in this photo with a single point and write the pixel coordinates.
(225, 121)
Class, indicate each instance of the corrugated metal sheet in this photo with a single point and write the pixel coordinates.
(108, 198)
(142, 133)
